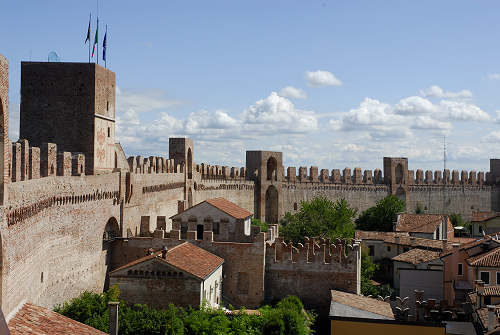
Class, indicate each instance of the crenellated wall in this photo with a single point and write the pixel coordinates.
(310, 269)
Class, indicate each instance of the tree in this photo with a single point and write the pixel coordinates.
(368, 269)
(264, 226)
(382, 215)
(456, 220)
(319, 217)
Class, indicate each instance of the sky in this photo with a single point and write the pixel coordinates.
(332, 84)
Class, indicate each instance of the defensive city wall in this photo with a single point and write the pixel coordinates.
(73, 206)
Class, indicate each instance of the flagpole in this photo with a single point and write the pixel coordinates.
(90, 20)
(106, 58)
(97, 31)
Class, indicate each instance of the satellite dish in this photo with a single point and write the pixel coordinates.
(53, 57)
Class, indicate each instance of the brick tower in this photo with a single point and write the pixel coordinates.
(72, 105)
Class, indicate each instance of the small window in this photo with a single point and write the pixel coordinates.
(481, 231)
(485, 277)
(487, 300)
(406, 249)
(109, 132)
(461, 269)
(388, 248)
(295, 206)
(107, 105)
(371, 249)
(498, 278)
(41, 278)
(216, 228)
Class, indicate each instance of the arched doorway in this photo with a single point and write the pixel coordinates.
(399, 174)
(272, 205)
(190, 164)
(190, 198)
(111, 231)
(401, 194)
(272, 169)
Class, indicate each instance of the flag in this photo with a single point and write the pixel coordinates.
(88, 31)
(96, 39)
(104, 45)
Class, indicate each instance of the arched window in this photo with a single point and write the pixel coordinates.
(272, 166)
(190, 164)
(112, 230)
(399, 174)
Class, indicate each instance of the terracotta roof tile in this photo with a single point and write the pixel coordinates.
(36, 320)
(419, 223)
(230, 208)
(484, 216)
(186, 257)
(491, 290)
(402, 238)
(482, 313)
(417, 256)
(490, 258)
(363, 303)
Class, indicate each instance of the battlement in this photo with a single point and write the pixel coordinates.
(453, 178)
(359, 177)
(153, 164)
(319, 251)
(45, 161)
(208, 171)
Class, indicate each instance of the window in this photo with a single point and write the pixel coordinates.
(109, 132)
(487, 300)
(437, 234)
(371, 249)
(107, 105)
(405, 249)
(498, 278)
(215, 228)
(295, 206)
(460, 269)
(481, 231)
(388, 248)
(485, 277)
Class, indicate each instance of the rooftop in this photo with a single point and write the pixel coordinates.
(419, 223)
(36, 320)
(484, 216)
(363, 303)
(228, 207)
(402, 238)
(490, 258)
(417, 256)
(186, 257)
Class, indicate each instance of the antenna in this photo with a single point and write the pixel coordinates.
(444, 152)
(53, 57)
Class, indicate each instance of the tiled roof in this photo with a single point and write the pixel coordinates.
(419, 223)
(417, 256)
(36, 320)
(363, 303)
(483, 216)
(482, 313)
(490, 259)
(402, 238)
(230, 208)
(186, 257)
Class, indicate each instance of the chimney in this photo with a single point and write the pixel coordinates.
(396, 239)
(479, 293)
(164, 252)
(113, 317)
(412, 241)
(445, 244)
(455, 245)
(419, 305)
(492, 317)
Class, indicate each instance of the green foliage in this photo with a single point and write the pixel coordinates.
(381, 216)
(456, 220)
(320, 217)
(287, 317)
(264, 226)
(368, 269)
(419, 209)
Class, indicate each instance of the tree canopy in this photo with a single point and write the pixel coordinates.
(319, 217)
(381, 216)
(287, 317)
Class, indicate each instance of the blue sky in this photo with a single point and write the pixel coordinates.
(329, 83)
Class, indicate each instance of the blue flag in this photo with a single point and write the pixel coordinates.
(104, 44)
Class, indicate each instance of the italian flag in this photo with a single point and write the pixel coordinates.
(96, 39)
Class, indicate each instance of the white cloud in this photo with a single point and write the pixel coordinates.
(427, 122)
(293, 92)
(437, 92)
(276, 113)
(463, 111)
(414, 106)
(145, 101)
(494, 76)
(322, 78)
(369, 113)
(493, 137)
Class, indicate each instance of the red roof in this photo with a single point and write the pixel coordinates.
(36, 320)
(417, 256)
(230, 208)
(186, 257)
(419, 223)
(488, 259)
(483, 216)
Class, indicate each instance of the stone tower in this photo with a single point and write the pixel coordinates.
(4, 129)
(266, 169)
(396, 176)
(72, 105)
(181, 151)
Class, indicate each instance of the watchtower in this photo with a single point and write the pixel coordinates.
(266, 169)
(72, 105)
(4, 129)
(396, 176)
(181, 151)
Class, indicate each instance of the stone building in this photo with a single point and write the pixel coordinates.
(73, 207)
(431, 226)
(184, 275)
